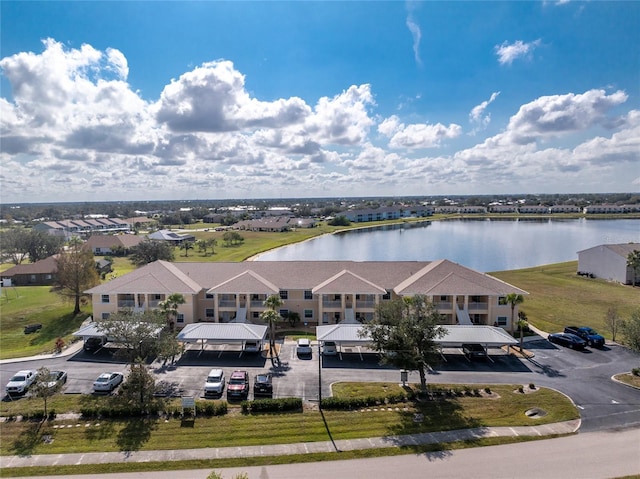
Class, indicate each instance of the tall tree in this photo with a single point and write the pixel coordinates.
(149, 251)
(136, 333)
(633, 261)
(405, 331)
(75, 272)
(41, 245)
(513, 299)
(169, 307)
(612, 322)
(137, 390)
(40, 387)
(271, 316)
(186, 246)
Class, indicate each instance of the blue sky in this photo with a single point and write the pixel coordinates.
(106, 101)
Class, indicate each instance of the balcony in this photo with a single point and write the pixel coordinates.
(227, 303)
(365, 303)
(478, 306)
(126, 303)
(332, 304)
(443, 305)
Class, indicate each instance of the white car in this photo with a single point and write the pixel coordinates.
(215, 382)
(20, 382)
(107, 382)
(304, 347)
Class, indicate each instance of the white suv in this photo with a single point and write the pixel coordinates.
(20, 382)
(214, 383)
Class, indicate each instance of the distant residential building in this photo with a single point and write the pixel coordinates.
(171, 236)
(472, 209)
(40, 273)
(85, 227)
(533, 209)
(603, 209)
(564, 209)
(387, 213)
(608, 261)
(503, 208)
(106, 244)
(270, 223)
(446, 210)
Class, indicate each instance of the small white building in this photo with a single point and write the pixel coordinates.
(609, 262)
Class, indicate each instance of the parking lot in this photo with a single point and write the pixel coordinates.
(585, 376)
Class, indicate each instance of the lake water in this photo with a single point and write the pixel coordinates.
(484, 244)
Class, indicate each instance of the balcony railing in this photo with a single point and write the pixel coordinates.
(331, 304)
(443, 305)
(126, 303)
(227, 303)
(366, 303)
(478, 306)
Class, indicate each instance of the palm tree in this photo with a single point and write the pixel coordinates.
(633, 261)
(271, 316)
(170, 307)
(513, 299)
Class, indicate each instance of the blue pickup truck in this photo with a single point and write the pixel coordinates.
(591, 336)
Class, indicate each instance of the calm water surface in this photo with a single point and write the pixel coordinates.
(484, 245)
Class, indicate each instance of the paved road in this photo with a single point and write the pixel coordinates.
(595, 455)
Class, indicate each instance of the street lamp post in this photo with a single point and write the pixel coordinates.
(319, 377)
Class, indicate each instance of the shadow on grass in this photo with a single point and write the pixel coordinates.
(28, 439)
(326, 425)
(136, 433)
(58, 327)
(430, 423)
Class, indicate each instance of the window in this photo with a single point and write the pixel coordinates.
(208, 296)
(502, 300)
(502, 320)
(255, 315)
(209, 312)
(308, 294)
(180, 318)
(444, 298)
(308, 314)
(283, 313)
(387, 295)
(284, 294)
(106, 315)
(47, 276)
(105, 298)
(157, 297)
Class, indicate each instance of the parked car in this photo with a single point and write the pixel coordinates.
(263, 385)
(238, 387)
(107, 382)
(568, 340)
(591, 336)
(329, 348)
(20, 382)
(214, 383)
(56, 378)
(304, 347)
(92, 344)
(474, 351)
(252, 346)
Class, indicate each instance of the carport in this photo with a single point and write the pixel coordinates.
(455, 337)
(222, 333)
(93, 330)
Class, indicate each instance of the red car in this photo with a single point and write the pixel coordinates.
(238, 387)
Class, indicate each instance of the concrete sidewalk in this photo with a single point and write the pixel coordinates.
(68, 351)
(566, 427)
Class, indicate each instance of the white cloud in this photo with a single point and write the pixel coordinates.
(477, 115)
(507, 53)
(419, 135)
(74, 130)
(212, 98)
(554, 115)
(416, 33)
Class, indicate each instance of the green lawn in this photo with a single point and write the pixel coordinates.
(506, 406)
(24, 305)
(558, 297)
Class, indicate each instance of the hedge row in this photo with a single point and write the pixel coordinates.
(272, 405)
(358, 403)
(204, 408)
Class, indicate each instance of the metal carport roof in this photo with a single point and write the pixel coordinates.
(223, 332)
(456, 335)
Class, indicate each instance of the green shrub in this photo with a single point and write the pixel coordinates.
(635, 371)
(272, 405)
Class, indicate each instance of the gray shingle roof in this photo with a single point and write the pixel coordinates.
(224, 332)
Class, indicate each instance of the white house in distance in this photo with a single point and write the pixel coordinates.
(608, 261)
(321, 292)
